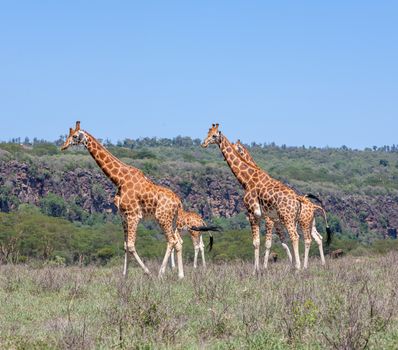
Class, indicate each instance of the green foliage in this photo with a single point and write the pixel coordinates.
(104, 254)
(29, 234)
(41, 149)
(8, 201)
(13, 148)
(53, 205)
(145, 154)
(335, 171)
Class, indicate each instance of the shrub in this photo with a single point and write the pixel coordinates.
(53, 205)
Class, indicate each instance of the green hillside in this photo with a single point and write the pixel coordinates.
(45, 217)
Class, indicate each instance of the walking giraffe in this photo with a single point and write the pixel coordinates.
(137, 198)
(306, 219)
(263, 195)
(189, 221)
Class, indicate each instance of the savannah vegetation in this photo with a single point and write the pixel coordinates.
(60, 265)
(351, 303)
(59, 228)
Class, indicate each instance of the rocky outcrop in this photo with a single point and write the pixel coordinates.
(210, 193)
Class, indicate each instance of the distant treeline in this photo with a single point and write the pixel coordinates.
(186, 141)
(30, 235)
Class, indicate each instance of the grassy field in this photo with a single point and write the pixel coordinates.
(349, 304)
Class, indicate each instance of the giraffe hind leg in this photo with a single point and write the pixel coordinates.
(202, 250)
(196, 248)
(318, 239)
(292, 230)
(173, 241)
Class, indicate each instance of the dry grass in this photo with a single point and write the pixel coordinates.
(350, 304)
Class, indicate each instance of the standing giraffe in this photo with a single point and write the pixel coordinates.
(137, 198)
(263, 195)
(306, 219)
(189, 221)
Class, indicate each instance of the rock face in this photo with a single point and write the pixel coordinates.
(211, 194)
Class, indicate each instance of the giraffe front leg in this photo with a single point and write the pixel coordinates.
(126, 259)
(172, 261)
(269, 226)
(178, 248)
(126, 252)
(252, 204)
(255, 227)
(132, 223)
(165, 259)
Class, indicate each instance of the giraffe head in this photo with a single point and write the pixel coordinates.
(75, 137)
(238, 147)
(213, 136)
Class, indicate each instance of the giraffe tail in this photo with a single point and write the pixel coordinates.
(328, 236)
(208, 229)
(312, 196)
(328, 230)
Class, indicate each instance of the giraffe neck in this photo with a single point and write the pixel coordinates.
(108, 163)
(247, 157)
(242, 170)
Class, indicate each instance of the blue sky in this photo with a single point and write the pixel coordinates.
(293, 72)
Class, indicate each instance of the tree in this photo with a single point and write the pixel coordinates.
(53, 205)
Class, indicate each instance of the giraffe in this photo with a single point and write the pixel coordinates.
(269, 223)
(263, 195)
(137, 198)
(189, 221)
(306, 219)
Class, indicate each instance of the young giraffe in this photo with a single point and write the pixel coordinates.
(263, 195)
(189, 221)
(137, 197)
(306, 219)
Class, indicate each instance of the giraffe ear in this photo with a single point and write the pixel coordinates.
(217, 125)
(213, 125)
(77, 128)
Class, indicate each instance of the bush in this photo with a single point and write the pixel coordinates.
(105, 254)
(41, 149)
(53, 205)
